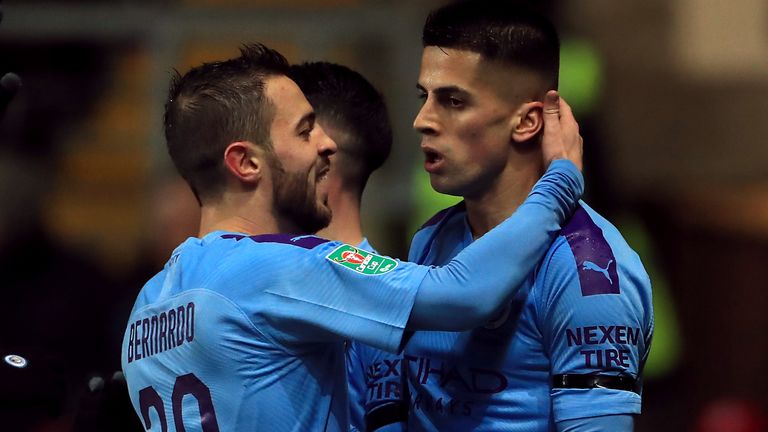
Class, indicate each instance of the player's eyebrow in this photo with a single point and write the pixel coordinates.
(307, 120)
(450, 90)
(445, 90)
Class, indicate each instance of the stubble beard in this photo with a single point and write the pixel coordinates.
(296, 203)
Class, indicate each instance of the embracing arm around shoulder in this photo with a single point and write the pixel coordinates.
(516, 246)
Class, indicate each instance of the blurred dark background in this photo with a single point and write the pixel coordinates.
(670, 95)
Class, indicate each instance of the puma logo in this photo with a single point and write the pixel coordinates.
(589, 265)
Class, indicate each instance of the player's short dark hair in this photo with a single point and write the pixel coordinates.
(214, 105)
(500, 30)
(344, 99)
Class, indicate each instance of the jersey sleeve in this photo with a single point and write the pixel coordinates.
(594, 314)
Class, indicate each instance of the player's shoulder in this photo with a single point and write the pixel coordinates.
(240, 249)
(588, 233)
(589, 246)
(592, 262)
(279, 241)
(220, 261)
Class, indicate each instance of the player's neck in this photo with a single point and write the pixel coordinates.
(497, 202)
(345, 224)
(233, 215)
(236, 224)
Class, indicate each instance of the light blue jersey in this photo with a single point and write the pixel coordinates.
(246, 333)
(585, 310)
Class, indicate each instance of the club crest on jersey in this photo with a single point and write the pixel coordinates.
(361, 261)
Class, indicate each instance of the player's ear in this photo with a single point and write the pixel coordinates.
(244, 161)
(528, 121)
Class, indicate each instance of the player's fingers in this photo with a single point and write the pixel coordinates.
(552, 102)
(552, 112)
(569, 129)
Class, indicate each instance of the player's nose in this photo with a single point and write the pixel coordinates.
(426, 122)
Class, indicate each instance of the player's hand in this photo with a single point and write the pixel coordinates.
(561, 139)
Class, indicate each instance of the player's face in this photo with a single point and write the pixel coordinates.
(465, 121)
(302, 151)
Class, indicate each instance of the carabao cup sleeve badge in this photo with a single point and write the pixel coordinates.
(361, 261)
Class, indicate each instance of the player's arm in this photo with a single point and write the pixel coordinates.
(594, 311)
(443, 302)
(343, 292)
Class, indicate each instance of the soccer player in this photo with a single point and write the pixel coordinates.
(353, 113)
(566, 353)
(244, 327)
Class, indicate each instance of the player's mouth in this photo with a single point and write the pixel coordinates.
(322, 173)
(433, 160)
(321, 186)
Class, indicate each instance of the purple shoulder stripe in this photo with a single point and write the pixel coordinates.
(434, 220)
(307, 241)
(595, 260)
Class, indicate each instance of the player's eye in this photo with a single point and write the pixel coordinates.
(305, 133)
(455, 102)
(422, 97)
(451, 101)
